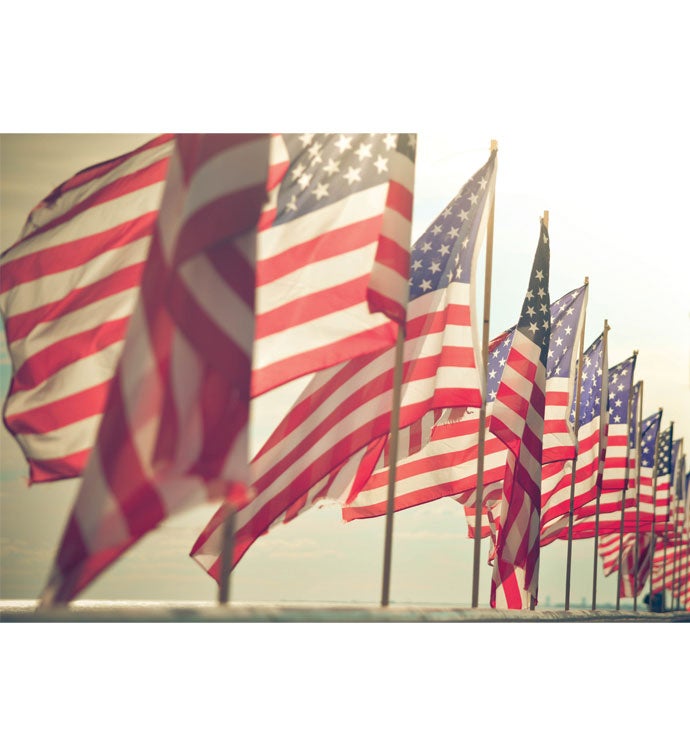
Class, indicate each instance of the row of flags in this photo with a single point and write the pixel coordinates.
(151, 298)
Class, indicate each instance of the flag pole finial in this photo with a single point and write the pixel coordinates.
(494, 145)
(635, 352)
(545, 218)
(586, 279)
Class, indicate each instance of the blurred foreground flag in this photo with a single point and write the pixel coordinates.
(67, 289)
(174, 430)
(518, 420)
(332, 259)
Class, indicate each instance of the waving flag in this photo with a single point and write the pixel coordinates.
(611, 555)
(345, 409)
(331, 277)
(518, 420)
(174, 430)
(557, 477)
(67, 289)
(662, 499)
(447, 464)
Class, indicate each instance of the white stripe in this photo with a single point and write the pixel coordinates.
(66, 440)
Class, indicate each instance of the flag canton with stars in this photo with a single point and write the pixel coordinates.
(650, 429)
(590, 386)
(444, 252)
(498, 355)
(535, 318)
(663, 458)
(632, 433)
(325, 168)
(674, 457)
(565, 316)
(620, 384)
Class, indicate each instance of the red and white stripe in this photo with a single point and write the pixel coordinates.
(330, 281)
(345, 411)
(67, 289)
(81, 258)
(518, 420)
(174, 430)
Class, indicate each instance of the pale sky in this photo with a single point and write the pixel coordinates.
(588, 103)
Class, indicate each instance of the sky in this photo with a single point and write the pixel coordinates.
(588, 106)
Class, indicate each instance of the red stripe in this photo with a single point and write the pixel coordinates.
(400, 199)
(390, 254)
(58, 468)
(20, 326)
(57, 414)
(325, 246)
(42, 365)
(73, 254)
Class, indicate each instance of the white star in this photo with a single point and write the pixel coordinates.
(417, 264)
(446, 212)
(391, 141)
(444, 249)
(292, 204)
(568, 330)
(381, 164)
(352, 175)
(363, 151)
(464, 215)
(412, 140)
(539, 275)
(454, 233)
(425, 285)
(306, 139)
(543, 308)
(434, 267)
(532, 327)
(426, 246)
(474, 198)
(529, 295)
(530, 311)
(541, 293)
(436, 230)
(482, 182)
(315, 153)
(298, 170)
(343, 143)
(320, 191)
(492, 374)
(333, 166)
(304, 180)
(466, 242)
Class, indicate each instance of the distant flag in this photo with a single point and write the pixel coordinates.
(611, 556)
(174, 430)
(518, 420)
(67, 289)
(649, 434)
(662, 499)
(331, 277)
(447, 464)
(557, 477)
(334, 432)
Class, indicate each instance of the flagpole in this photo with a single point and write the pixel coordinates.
(663, 564)
(625, 490)
(653, 540)
(675, 528)
(395, 422)
(226, 556)
(638, 462)
(600, 472)
(576, 428)
(482, 411)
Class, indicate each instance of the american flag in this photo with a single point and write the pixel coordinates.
(649, 433)
(557, 477)
(333, 252)
(331, 272)
(662, 498)
(174, 429)
(518, 420)
(67, 289)
(632, 579)
(333, 434)
(447, 464)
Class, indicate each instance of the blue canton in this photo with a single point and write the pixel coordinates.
(535, 317)
(565, 316)
(325, 168)
(632, 435)
(650, 429)
(620, 384)
(590, 387)
(445, 250)
(663, 459)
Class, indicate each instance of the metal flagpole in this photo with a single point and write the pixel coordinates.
(638, 462)
(482, 411)
(572, 478)
(625, 490)
(395, 422)
(600, 471)
(673, 488)
(653, 539)
(226, 556)
(665, 536)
